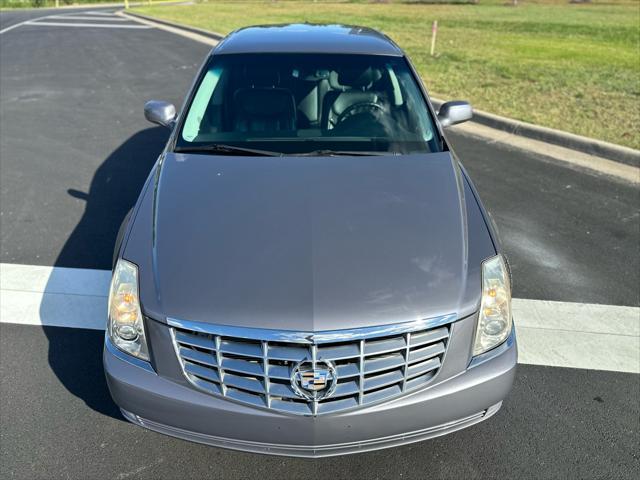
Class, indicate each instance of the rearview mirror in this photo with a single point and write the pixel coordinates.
(162, 113)
(457, 111)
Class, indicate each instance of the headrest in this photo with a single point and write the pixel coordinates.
(265, 101)
(354, 78)
(261, 77)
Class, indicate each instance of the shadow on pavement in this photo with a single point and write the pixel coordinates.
(113, 192)
(75, 355)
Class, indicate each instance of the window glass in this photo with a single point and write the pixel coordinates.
(294, 103)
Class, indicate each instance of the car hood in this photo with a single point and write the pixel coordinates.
(303, 243)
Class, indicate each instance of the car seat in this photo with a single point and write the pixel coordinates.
(348, 87)
(262, 105)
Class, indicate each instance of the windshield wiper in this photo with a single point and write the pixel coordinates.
(227, 150)
(329, 153)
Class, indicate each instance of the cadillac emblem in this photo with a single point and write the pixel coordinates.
(314, 381)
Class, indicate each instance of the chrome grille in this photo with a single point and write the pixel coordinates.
(254, 366)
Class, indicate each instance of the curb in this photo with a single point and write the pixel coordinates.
(587, 145)
(590, 146)
(199, 31)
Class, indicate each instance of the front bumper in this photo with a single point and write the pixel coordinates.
(452, 402)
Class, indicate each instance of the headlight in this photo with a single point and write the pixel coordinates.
(494, 319)
(126, 329)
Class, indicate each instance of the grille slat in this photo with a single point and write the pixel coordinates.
(426, 352)
(339, 352)
(382, 394)
(292, 354)
(245, 397)
(196, 341)
(337, 405)
(244, 383)
(388, 378)
(202, 372)
(200, 357)
(213, 388)
(241, 348)
(279, 372)
(423, 367)
(348, 370)
(429, 336)
(383, 363)
(346, 388)
(257, 371)
(419, 381)
(384, 346)
(243, 366)
(282, 390)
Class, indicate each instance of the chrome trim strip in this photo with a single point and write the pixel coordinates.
(219, 359)
(361, 377)
(265, 367)
(125, 357)
(315, 451)
(311, 338)
(496, 351)
(406, 360)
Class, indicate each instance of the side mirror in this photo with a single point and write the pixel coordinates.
(457, 111)
(162, 113)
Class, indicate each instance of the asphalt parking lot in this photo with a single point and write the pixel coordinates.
(74, 152)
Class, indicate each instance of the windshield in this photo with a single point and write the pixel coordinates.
(306, 104)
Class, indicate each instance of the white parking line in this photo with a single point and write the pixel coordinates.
(560, 334)
(177, 31)
(578, 335)
(35, 20)
(93, 25)
(106, 14)
(53, 296)
(103, 18)
(11, 27)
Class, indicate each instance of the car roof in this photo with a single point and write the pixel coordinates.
(308, 38)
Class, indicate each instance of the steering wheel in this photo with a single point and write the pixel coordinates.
(358, 108)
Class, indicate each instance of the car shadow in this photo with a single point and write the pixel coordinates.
(75, 354)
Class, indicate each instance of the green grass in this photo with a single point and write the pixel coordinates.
(575, 67)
